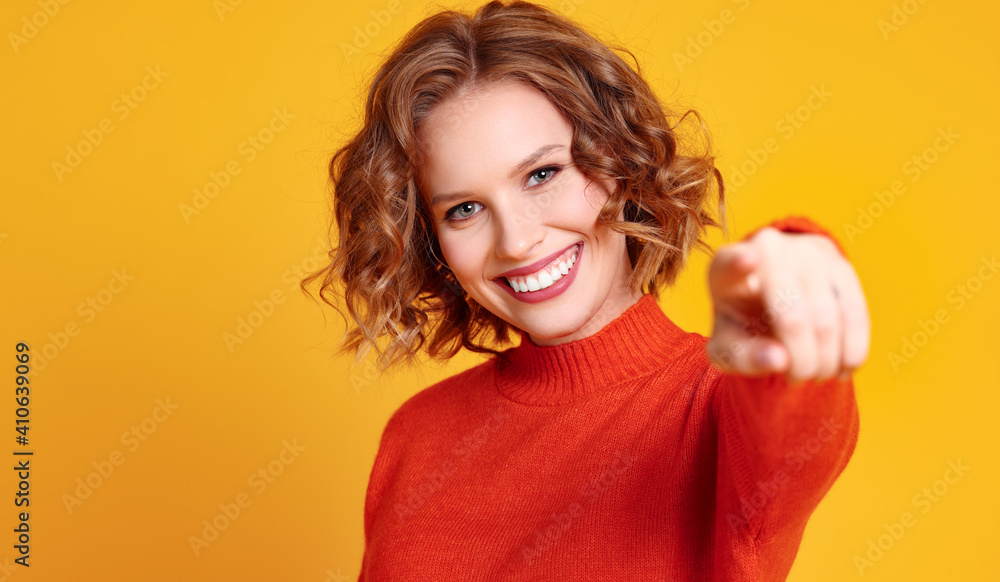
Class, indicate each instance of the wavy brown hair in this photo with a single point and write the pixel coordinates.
(385, 261)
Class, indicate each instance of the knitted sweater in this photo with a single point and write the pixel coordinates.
(624, 455)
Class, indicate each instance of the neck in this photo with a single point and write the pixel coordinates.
(616, 304)
(635, 343)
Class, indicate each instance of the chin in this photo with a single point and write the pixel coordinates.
(555, 326)
(548, 334)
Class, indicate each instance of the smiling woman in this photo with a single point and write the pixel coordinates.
(430, 118)
(530, 210)
(514, 174)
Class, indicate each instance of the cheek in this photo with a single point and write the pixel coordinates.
(464, 255)
(581, 203)
(591, 198)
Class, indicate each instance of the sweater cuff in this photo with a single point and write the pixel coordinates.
(799, 224)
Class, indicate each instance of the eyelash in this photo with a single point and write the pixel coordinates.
(553, 169)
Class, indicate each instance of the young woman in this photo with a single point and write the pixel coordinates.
(514, 176)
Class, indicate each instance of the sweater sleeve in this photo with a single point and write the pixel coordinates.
(384, 466)
(780, 450)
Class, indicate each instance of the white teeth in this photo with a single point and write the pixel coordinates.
(543, 279)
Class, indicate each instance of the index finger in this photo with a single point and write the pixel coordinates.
(856, 319)
(788, 315)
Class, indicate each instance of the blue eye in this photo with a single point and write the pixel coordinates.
(459, 209)
(543, 174)
(467, 210)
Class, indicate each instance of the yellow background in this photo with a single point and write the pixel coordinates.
(223, 73)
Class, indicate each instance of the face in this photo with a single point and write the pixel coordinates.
(509, 207)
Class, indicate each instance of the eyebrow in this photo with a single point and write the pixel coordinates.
(439, 199)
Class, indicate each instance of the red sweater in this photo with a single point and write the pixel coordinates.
(620, 456)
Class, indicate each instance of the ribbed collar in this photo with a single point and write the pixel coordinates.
(636, 342)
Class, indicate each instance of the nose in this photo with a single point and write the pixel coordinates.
(519, 231)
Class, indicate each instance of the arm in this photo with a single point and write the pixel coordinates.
(780, 450)
(791, 325)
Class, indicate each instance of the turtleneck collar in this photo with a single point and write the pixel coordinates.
(638, 341)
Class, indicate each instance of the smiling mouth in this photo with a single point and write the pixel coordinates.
(547, 276)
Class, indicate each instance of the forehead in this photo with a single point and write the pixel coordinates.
(484, 133)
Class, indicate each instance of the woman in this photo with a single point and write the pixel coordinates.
(514, 176)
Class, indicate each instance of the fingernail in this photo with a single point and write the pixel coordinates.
(765, 358)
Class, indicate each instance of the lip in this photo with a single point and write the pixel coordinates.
(536, 266)
(549, 292)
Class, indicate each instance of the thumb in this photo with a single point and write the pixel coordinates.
(733, 351)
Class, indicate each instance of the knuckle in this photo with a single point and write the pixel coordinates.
(855, 357)
(794, 320)
(805, 372)
(825, 323)
(767, 235)
(855, 313)
(804, 366)
(826, 244)
(827, 368)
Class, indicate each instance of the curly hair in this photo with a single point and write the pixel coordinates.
(393, 285)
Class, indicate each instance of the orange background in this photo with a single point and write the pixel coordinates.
(153, 397)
